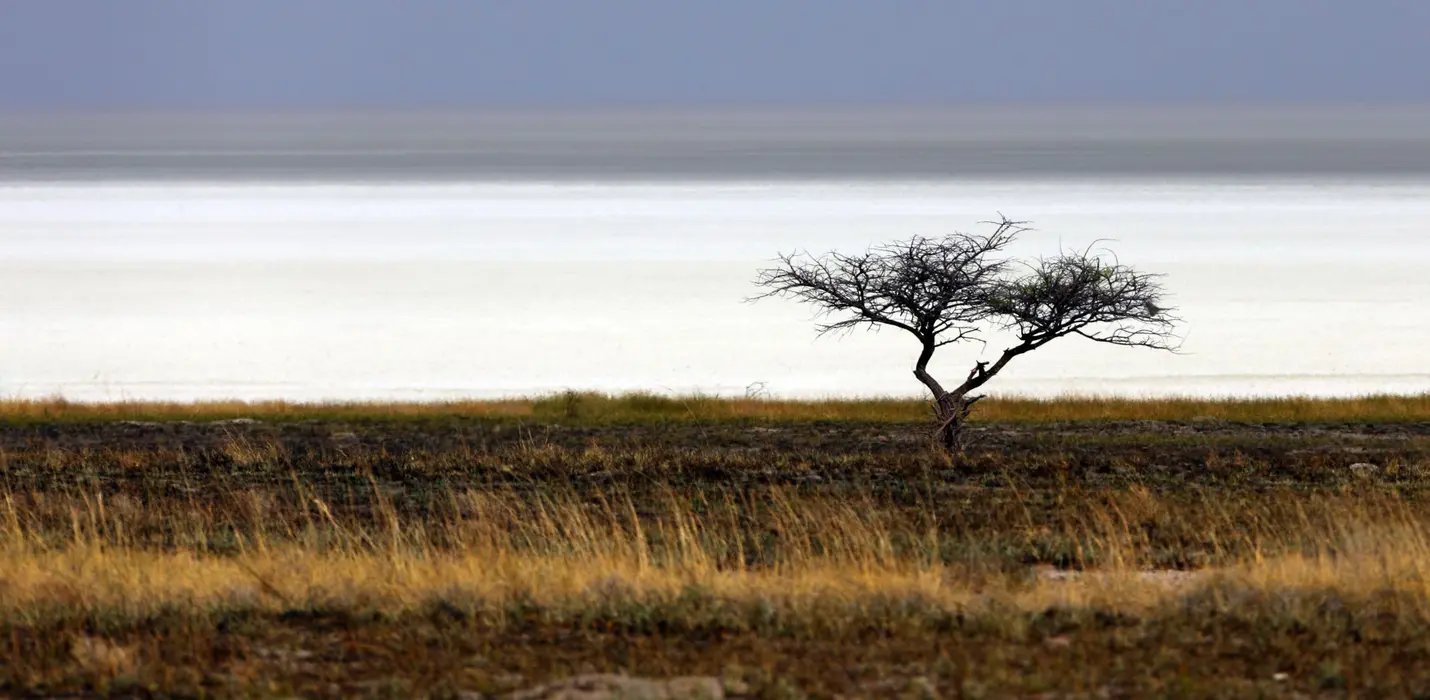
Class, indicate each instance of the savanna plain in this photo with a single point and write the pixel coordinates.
(1080, 547)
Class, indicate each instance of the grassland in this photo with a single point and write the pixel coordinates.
(593, 408)
(1082, 548)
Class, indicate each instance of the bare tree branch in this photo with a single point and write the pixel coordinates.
(926, 286)
(1090, 294)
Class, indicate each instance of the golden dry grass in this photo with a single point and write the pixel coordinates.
(638, 407)
(120, 583)
(817, 562)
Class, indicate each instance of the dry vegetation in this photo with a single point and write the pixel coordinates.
(596, 408)
(340, 554)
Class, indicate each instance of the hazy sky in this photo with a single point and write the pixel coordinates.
(270, 53)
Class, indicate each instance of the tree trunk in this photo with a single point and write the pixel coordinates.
(950, 409)
(951, 412)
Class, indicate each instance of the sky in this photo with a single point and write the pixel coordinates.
(557, 53)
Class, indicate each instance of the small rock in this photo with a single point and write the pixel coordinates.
(237, 421)
(275, 654)
(1058, 642)
(1052, 573)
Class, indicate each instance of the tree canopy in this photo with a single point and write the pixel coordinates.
(958, 287)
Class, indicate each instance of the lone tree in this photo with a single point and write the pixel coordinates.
(952, 289)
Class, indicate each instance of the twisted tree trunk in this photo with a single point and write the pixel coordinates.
(951, 412)
(951, 408)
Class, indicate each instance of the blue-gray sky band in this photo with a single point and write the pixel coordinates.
(403, 53)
